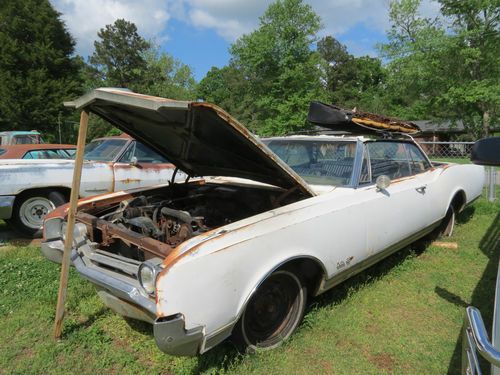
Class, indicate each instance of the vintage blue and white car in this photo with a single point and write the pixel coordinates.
(272, 222)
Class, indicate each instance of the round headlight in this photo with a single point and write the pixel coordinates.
(147, 278)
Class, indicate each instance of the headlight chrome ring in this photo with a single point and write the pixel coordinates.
(147, 277)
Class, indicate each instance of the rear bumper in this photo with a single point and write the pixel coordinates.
(6, 206)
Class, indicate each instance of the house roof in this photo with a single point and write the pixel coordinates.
(445, 126)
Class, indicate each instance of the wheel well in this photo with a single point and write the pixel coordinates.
(310, 270)
(60, 189)
(458, 201)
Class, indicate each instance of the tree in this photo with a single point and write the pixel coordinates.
(166, 76)
(476, 48)
(350, 81)
(123, 58)
(37, 70)
(445, 70)
(119, 56)
(280, 69)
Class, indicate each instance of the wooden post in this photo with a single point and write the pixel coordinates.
(75, 188)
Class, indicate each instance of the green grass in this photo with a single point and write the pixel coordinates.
(403, 316)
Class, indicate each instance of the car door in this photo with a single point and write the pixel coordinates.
(140, 166)
(403, 210)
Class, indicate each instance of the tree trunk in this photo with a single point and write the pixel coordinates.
(486, 123)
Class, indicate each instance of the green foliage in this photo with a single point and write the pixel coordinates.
(37, 72)
(119, 59)
(279, 68)
(123, 58)
(443, 70)
(166, 76)
(350, 81)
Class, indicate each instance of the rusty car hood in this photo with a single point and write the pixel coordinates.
(199, 138)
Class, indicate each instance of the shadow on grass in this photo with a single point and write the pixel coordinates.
(72, 327)
(484, 293)
(340, 292)
(466, 215)
(140, 326)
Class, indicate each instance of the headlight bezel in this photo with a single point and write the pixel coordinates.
(155, 270)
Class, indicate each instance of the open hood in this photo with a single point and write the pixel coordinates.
(199, 138)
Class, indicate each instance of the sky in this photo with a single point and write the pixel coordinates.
(199, 32)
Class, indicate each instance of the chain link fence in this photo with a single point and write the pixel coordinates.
(460, 152)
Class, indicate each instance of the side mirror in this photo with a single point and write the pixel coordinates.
(134, 162)
(382, 182)
(486, 151)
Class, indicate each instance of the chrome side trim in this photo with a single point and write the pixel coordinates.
(217, 336)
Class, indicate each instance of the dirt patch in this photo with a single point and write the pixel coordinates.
(26, 353)
(383, 361)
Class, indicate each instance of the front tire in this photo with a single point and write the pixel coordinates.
(30, 210)
(273, 312)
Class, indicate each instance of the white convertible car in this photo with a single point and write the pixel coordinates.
(239, 251)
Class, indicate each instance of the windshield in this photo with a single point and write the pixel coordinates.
(317, 162)
(104, 149)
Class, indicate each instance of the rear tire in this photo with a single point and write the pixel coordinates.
(448, 223)
(31, 208)
(273, 312)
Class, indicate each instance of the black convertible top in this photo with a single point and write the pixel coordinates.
(356, 122)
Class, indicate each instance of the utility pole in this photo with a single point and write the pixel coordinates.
(59, 126)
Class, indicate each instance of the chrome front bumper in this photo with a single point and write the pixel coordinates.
(124, 295)
(6, 206)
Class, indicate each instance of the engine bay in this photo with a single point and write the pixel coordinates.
(177, 213)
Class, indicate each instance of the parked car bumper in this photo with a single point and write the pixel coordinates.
(172, 337)
(127, 299)
(53, 250)
(6, 206)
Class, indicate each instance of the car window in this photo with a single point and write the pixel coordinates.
(418, 161)
(25, 139)
(46, 154)
(71, 152)
(318, 162)
(143, 154)
(387, 158)
(104, 149)
(2, 151)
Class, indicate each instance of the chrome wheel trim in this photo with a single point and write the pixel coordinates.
(33, 211)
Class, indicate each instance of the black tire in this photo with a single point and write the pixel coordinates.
(31, 208)
(273, 312)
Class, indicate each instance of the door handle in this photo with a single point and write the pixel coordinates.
(421, 189)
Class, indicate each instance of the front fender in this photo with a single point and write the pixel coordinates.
(213, 290)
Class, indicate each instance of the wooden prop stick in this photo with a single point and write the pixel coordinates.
(75, 188)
